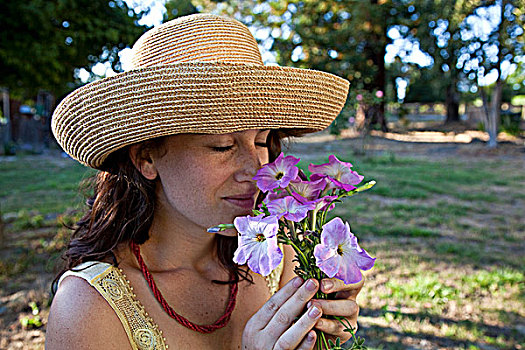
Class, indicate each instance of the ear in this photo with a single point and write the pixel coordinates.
(143, 162)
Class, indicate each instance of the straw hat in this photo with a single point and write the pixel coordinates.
(196, 74)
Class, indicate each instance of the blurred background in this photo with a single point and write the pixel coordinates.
(435, 114)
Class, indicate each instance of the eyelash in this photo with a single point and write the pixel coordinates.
(227, 148)
(222, 149)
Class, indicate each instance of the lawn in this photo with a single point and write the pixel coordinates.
(448, 235)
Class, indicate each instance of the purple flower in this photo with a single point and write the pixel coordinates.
(278, 173)
(340, 173)
(323, 202)
(338, 255)
(307, 191)
(290, 208)
(258, 243)
(273, 195)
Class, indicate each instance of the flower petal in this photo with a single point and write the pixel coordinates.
(334, 233)
(327, 260)
(363, 260)
(348, 271)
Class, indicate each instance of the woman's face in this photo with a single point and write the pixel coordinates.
(206, 180)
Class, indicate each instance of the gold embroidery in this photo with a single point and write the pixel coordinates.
(112, 289)
(144, 338)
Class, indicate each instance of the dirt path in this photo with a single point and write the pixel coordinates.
(468, 145)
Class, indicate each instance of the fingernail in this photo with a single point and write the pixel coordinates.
(314, 312)
(309, 304)
(311, 336)
(327, 285)
(297, 282)
(311, 286)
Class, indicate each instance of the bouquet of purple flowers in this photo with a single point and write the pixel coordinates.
(294, 212)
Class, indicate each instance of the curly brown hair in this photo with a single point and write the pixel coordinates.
(122, 206)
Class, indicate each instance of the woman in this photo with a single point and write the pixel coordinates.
(178, 140)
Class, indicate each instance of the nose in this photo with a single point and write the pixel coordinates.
(249, 162)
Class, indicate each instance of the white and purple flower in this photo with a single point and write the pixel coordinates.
(275, 194)
(290, 208)
(323, 202)
(339, 173)
(307, 191)
(339, 255)
(278, 173)
(258, 243)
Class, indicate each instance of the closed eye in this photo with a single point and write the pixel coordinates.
(261, 144)
(222, 148)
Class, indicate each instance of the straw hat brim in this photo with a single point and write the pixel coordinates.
(208, 97)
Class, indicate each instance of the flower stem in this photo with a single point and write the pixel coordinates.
(291, 227)
(323, 340)
(299, 252)
(314, 218)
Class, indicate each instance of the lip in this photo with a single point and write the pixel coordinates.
(245, 201)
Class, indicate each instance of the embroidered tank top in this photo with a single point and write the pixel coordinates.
(111, 283)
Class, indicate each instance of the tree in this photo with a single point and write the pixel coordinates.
(488, 54)
(438, 26)
(178, 8)
(426, 86)
(43, 42)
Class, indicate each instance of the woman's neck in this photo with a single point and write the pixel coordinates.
(172, 247)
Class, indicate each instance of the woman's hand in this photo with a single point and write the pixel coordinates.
(344, 305)
(275, 326)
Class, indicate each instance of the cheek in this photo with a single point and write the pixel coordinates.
(264, 155)
(192, 183)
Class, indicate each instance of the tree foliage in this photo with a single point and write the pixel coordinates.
(437, 26)
(43, 42)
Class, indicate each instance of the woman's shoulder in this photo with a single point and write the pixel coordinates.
(81, 318)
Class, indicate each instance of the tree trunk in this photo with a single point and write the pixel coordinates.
(377, 55)
(494, 115)
(1, 231)
(376, 114)
(452, 102)
(495, 102)
(7, 116)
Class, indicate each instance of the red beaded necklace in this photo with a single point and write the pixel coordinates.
(221, 322)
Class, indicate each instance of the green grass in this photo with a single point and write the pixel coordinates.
(37, 185)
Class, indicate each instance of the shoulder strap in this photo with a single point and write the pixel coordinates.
(143, 333)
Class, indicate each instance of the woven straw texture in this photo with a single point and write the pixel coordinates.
(195, 74)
